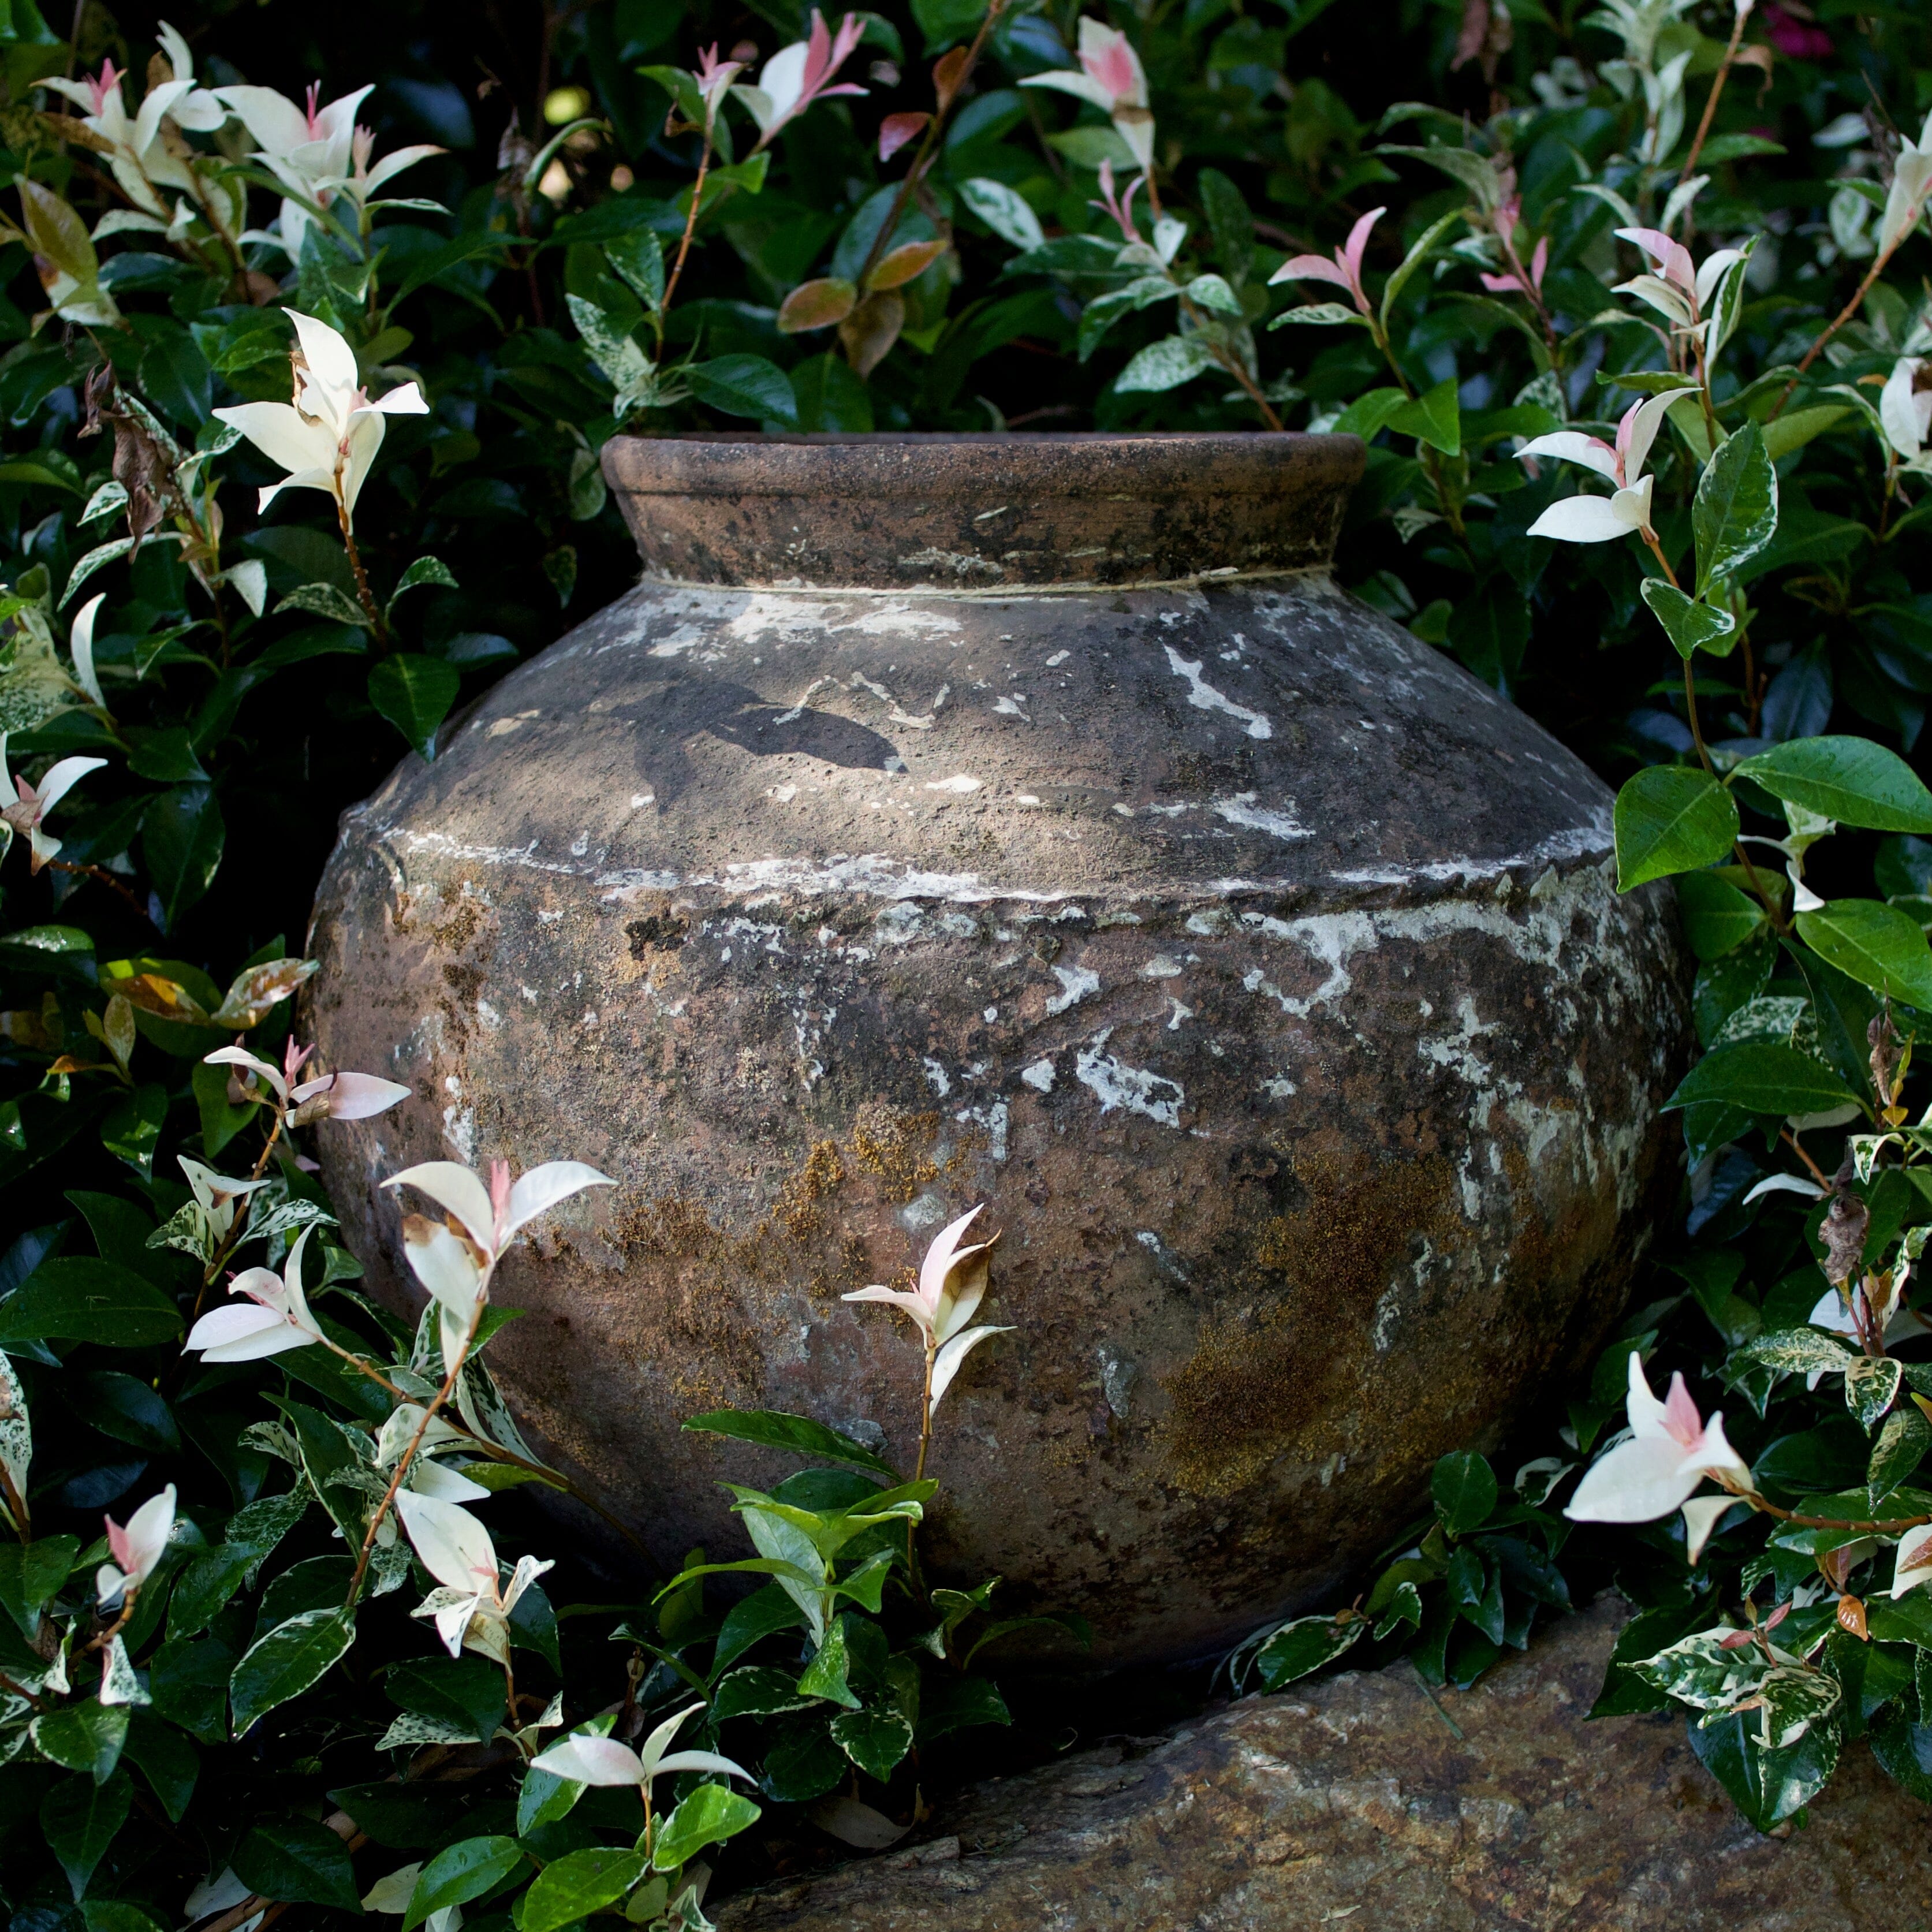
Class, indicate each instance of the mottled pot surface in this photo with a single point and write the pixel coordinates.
(1259, 968)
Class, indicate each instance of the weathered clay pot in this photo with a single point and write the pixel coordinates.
(1028, 820)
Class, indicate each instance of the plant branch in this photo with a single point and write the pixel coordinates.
(1710, 108)
(364, 595)
(408, 1456)
(922, 159)
(1844, 315)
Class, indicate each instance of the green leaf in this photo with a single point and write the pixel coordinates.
(952, 1700)
(1871, 1387)
(1901, 1446)
(760, 1690)
(30, 1575)
(1671, 818)
(1319, 315)
(83, 1737)
(414, 693)
(574, 1886)
(131, 1130)
(874, 1738)
(424, 570)
(1767, 1785)
(181, 839)
(1368, 415)
(709, 1816)
(1303, 1646)
(745, 385)
(1417, 254)
(119, 1914)
(79, 1300)
(324, 600)
(1690, 626)
(79, 1820)
(286, 1662)
(1763, 1077)
(773, 1428)
(1212, 292)
(406, 1817)
(1718, 918)
(299, 1860)
(1849, 779)
(639, 258)
(1434, 418)
(464, 1871)
(1904, 1750)
(825, 1675)
(463, 1695)
(1798, 1351)
(211, 1579)
(1165, 365)
(830, 396)
(1735, 514)
(1464, 1488)
(167, 1759)
(1875, 944)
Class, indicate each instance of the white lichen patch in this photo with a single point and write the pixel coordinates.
(1203, 697)
(1075, 983)
(1242, 809)
(1136, 1089)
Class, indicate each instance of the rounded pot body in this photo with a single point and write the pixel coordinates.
(1261, 971)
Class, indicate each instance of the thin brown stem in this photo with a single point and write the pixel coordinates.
(364, 595)
(101, 1640)
(929, 147)
(1710, 108)
(1844, 315)
(684, 240)
(408, 1456)
(1791, 1140)
(1232, 364)
(102, 874)
(1890, 1526)
(239, 1233)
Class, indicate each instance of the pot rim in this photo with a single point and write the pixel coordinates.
(898, 509)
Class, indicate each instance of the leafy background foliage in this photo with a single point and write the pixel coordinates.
(237, 718)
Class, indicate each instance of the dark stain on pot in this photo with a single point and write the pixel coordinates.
(1259, 970)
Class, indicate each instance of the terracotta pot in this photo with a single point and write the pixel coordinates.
(1028, 820)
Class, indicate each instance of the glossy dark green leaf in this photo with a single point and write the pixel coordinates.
(1735, 514)
(1690, 626)
(772, 1428)
(575, 1886)
(182, 836)
(1873, 943)
(165, 1758)
(79, 1820)
(1851, 780)
(1464, 1488)
(1672, 818)
(1304, 1646)
(75, 1299)
(30, 1574)
(1763, 1077)
(84, 1737)
(465, 1870)
(745, 385)
(286, 1662)
(415, 693)
(299, 1861)
(464, 1694)
(712, 1813)
(1718, 919)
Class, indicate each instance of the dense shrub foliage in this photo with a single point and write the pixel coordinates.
(302, 393)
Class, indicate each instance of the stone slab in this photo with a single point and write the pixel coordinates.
(1355, 1803)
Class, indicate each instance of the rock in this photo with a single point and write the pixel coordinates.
(1259, 969)
(1352, 1803)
